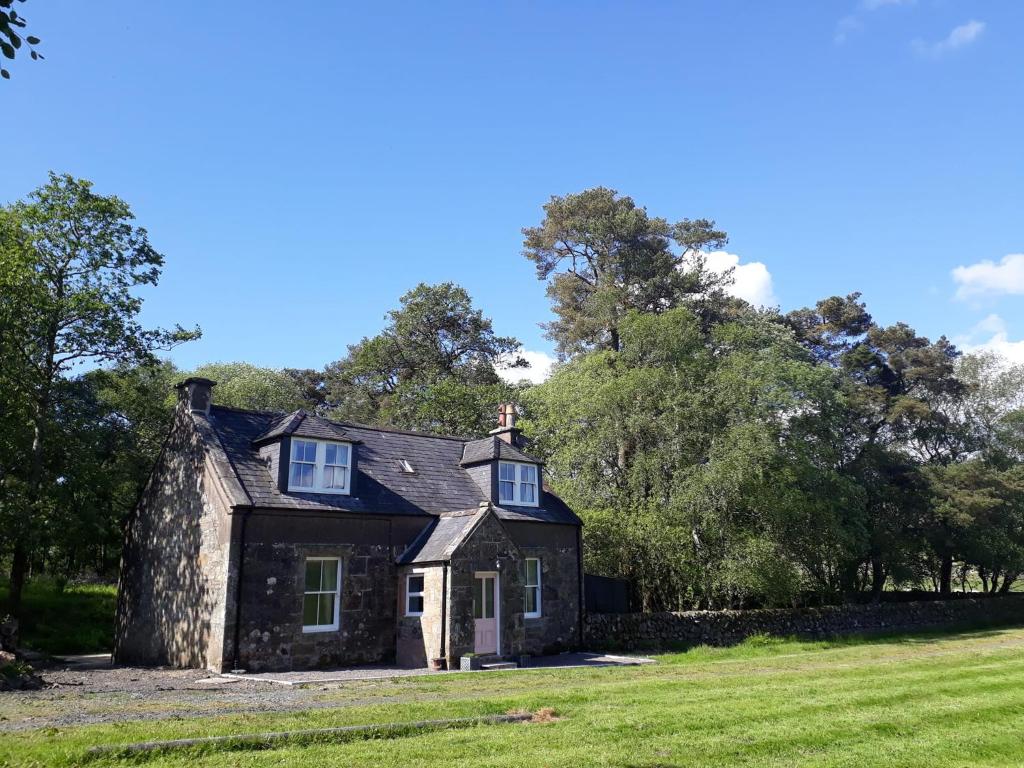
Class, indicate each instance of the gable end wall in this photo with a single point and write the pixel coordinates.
(172, 593)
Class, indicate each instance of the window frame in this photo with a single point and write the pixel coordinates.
(319, 467)
(518, 483)
(535, 587)
(336, 624)
(410, 594)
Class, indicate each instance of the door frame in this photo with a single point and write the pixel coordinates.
(497, 605)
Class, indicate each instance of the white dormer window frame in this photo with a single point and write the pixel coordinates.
(319, 466)
(518, 483)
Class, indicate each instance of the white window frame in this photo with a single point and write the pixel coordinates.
(409, 593)
(535, 587)
(318, 467)
(336, 624)
(517, 484)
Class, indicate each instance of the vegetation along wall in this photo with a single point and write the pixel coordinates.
(627, 631)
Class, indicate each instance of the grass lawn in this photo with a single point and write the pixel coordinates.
(78, 620)
(924, 700)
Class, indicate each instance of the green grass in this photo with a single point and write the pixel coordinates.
(78, 620)
(910, 701)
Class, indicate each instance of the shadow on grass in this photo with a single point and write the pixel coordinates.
(79, 619)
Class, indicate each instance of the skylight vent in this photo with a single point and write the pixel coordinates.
(406, 467)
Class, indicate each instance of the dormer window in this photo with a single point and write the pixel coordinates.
(517, 483)
(318, 466)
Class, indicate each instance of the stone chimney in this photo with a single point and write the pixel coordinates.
(507, 429)
(196, 393)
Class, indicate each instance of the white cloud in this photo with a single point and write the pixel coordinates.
(960, 37)
(852, 22)
(752, 281)
(539, 370)
(991, 335)
(847, 26)
(987, 278)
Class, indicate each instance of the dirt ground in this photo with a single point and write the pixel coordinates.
(80, 695)
(83, 690)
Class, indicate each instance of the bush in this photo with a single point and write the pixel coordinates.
(78, 618)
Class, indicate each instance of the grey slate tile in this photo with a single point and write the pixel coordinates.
(438, 485)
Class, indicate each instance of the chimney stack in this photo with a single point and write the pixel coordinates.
(507, 429)
(196, 393)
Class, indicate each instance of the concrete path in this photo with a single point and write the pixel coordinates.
(382, 672)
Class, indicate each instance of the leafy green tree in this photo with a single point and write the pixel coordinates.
(76, 259)
(432, 368)
(982, 509)
(603, 256)
(728, 498)
(244, 385)
(902, 398)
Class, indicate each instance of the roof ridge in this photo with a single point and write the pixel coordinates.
(350, 424)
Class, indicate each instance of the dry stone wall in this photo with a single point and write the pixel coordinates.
(639, 631)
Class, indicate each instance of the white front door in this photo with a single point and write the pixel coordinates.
(485, 620)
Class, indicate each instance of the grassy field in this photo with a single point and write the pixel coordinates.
(78, 620)
(925, 700)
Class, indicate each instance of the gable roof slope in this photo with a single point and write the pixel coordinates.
(438, 484)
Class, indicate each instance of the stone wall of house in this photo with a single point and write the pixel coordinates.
(271, 636)
(489, 548)
(558, 627)
(419, 637)
(640, 631)
(171, 597)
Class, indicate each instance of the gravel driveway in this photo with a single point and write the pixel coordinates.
(88, 689)
(84, 694)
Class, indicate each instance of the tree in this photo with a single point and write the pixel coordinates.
(603, 257)
(728, 498)
(433, 367)
(244, 385)
(75, 259)
(902, 398)
(12, 25)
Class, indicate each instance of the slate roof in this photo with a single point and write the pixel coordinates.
(442, 537)
(439, 484)
(303, 424)
(490, 448)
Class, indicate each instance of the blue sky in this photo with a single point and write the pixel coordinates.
(302, 165)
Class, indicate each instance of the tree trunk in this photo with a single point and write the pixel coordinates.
(19, 569)
(20, 560)
(878, 576)
(946, 575)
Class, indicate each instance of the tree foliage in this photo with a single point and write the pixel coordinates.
(603, 257)
(244, 385)
(432, 367)
(13, 35)
(72, 261)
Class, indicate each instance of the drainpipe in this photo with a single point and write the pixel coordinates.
(444, 612)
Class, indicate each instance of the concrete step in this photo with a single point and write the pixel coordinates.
(500, 665)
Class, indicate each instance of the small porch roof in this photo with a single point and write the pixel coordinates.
(444, 536)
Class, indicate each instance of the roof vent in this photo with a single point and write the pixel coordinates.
(406, 467)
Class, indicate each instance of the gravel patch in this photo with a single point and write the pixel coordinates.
(86, 690)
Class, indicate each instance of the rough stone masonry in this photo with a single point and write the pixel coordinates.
(651, 631)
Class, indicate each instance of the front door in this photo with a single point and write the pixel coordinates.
(485, 621)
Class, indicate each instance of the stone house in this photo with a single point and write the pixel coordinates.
(268, 541)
